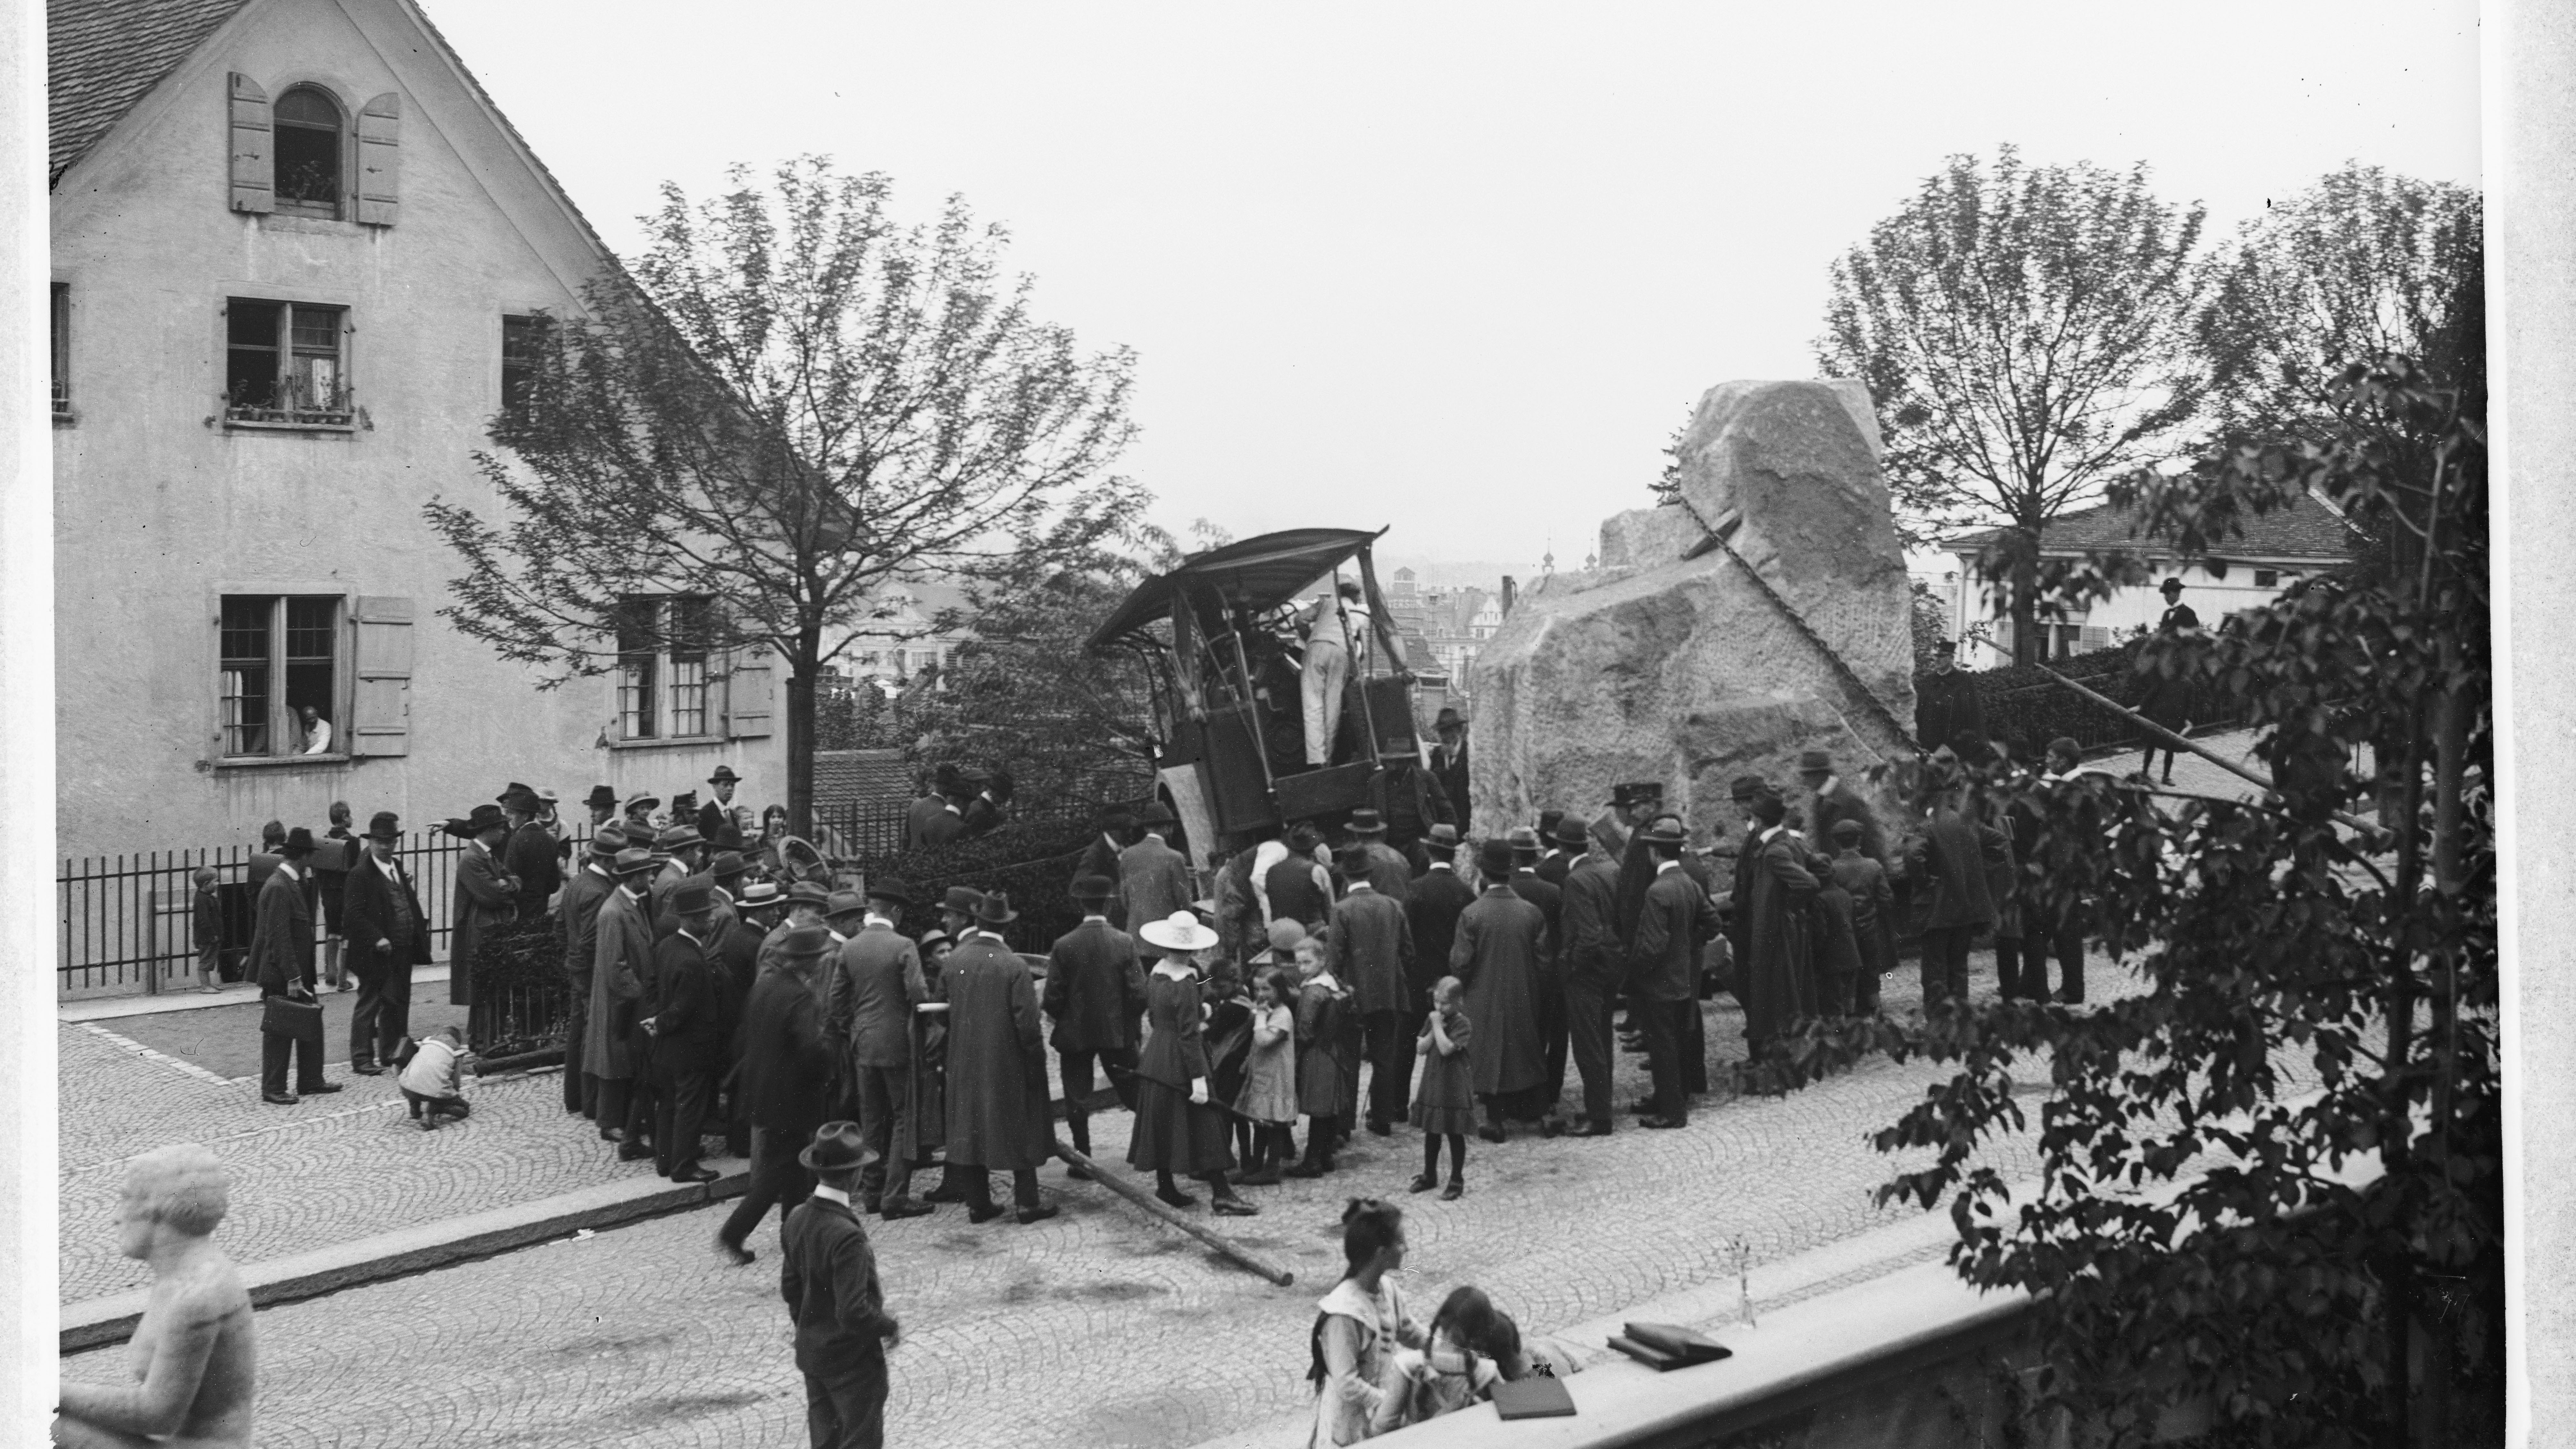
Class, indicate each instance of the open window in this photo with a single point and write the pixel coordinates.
(286, 364)
(280, 676)
(309, 143)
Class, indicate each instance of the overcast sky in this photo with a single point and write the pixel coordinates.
(1458, 269)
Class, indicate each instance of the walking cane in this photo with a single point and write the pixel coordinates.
(1235, 1252)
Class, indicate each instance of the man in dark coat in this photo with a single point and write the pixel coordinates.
(1564, 846)
(1384, 865)
(617, 1050)
(1779, 963)
(388, 935)
(1946, 702)
(486, 895)
(281, 960)
(786, 1073)
(2054, 922)
(740, 928)
(1432, 905)
(998, 1115)
(1950, 859)
(684, 854)
(1496, 957)
(1834, 800)
(687, 1027)
(1449, 764)
(1095, 994)
(1410, 799)
(1674, 921)
(1154, 879)
(876, 988)
(717, 813)
(1549, 898)
(1100, 859)
(990, 806)
(592, 882)
(1372, 954)
(2169, 697)
(829, 1280)
(1298, 887)
(529, 854)
(1593, 962)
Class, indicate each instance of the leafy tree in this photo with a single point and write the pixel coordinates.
(789, 405)
(2362, 264)
(1929, 621)
(2315, 999)
(2025, 335)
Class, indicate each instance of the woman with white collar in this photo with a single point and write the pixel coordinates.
(1180, 1129)
(1359, 1325)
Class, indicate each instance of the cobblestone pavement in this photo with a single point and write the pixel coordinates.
(1100, 1327)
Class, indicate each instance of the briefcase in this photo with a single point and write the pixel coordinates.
(297, 1020)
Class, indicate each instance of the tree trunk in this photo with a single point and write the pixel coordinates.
(800, 739)
(2028, 647)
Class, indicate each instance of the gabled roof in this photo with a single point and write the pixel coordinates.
(105, 55)
(2305, 529)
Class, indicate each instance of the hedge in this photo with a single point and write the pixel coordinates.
(2025, 708)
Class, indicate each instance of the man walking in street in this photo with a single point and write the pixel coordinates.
(1095, 994)
(1153, 878)
(877, 986)
(1372, 953)
(829, 1279)
(786, 1072)
(998, 1115)
(388, 935)
(688, 1036)
(281, 960)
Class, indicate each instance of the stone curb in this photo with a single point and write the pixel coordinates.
(96, 1322)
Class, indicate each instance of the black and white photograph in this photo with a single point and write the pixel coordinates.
(1145, 726)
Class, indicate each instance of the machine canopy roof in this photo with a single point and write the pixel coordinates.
(1257, 574)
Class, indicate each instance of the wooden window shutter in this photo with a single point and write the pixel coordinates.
(254, 175)
(748, 702)
(379, 158)
(380, 721)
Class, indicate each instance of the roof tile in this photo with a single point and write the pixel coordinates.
(105, 55)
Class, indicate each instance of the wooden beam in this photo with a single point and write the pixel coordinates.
(1233, 1251)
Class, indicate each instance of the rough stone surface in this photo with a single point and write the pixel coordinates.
(1692, 671)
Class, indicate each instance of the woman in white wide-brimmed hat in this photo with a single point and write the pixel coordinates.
(1180, 1128)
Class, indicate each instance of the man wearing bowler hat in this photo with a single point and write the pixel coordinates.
(615, 1049)
(786, 1073)
(388, 935)
(529, 854)
(1388, 872)
(717, 812)
(1449, 763)
(281, 960)
(876, 986)
(834, 1299)
(1153, 878)
(998, 1114)
(602, 803)
(1675, 919)
(687, 1027)
(592, 882)
(486, 895)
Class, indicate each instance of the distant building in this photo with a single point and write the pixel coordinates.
(888, 652)
(2278, 550)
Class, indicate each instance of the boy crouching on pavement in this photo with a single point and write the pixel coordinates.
(431, 1071)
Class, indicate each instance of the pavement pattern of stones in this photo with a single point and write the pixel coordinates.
(1097, 1328)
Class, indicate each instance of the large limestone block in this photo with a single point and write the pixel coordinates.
(1691, 671)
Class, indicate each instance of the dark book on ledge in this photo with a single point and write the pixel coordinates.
(1684, 1344)
(1653, 1358)
(1533, 1398)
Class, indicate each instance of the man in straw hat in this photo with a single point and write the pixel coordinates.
(876, 987)
(998, 1114)
(1095, 993)
(388, 935)
(1153, 878)
(614, 1049)
(834, 1299)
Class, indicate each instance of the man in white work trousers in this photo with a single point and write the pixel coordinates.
(1336, 638)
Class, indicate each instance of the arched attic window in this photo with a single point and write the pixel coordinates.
(309, 150)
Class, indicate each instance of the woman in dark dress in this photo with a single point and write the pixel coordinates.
(1180, 1129)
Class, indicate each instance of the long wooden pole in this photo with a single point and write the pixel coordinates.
(1235, 1252)
(2256, 777)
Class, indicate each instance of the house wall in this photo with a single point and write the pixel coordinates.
(2211, 597)
(161, 510)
